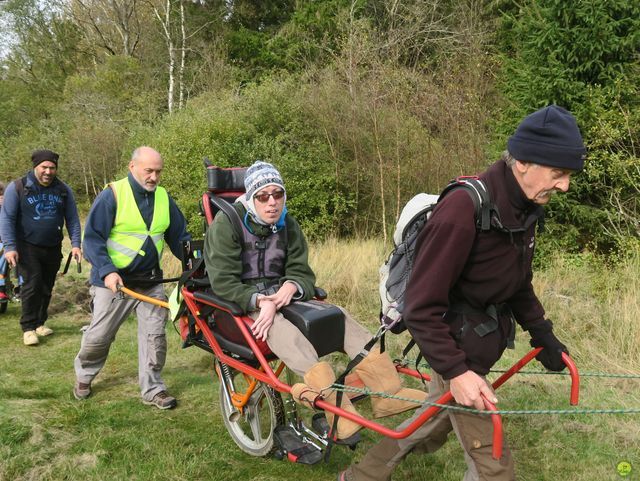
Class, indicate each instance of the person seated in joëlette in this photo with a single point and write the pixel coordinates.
(263, 281)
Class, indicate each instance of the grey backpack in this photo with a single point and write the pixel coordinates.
(396, 270)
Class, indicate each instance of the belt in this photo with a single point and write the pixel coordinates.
(145, 278)
(494, 311)
(268, 287)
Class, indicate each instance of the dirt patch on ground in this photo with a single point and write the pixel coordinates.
(70, 295)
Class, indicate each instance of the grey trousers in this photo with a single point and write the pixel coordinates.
(474, 432)
(287, 342)
(109, 312)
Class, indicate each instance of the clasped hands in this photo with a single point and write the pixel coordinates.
(269, 305)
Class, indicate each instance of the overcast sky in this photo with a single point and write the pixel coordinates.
(6, 35)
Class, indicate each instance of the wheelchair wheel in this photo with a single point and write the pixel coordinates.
(252, 429)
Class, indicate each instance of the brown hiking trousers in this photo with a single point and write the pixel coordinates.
(475, 433)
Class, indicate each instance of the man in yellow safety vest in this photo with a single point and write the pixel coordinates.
(126, 230)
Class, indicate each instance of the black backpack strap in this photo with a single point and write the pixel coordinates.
(477, 190)
(230, 212)
(419, 357)
(20, 183)
(341, 380)
(408, 347)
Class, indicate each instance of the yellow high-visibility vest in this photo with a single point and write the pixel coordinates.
(129, 231)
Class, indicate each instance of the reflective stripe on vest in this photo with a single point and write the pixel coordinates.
(129, 231)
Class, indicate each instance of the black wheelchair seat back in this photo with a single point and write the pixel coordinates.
(223, 183)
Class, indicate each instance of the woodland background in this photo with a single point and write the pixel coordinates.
(360, 103)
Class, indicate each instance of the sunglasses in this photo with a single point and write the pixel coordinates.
(264, 197)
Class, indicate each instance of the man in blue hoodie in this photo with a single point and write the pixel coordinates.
(35, 209)
(126, 230)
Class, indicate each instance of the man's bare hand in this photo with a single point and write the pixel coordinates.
(12, 258)
(263, 323)
(76, 253)
(284, 295)
(112, 281)
(468, 388)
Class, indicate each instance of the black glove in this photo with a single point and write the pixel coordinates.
(552, 349)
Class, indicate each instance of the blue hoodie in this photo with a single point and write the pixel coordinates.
(37, 217)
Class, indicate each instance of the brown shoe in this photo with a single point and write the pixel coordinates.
(162, 400)
(81, 390)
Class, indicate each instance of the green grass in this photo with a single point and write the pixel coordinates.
(45, 434)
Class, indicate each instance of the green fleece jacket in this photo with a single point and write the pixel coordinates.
(223, 259)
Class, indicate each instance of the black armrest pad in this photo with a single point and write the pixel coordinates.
(204, 282)
(321, 323)
(320, 293)
(235, 348)
(228, 306)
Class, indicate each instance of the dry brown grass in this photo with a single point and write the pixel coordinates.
(595, 308)
(348, 271)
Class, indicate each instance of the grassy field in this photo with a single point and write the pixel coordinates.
(45, 434)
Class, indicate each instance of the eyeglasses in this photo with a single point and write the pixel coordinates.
(264, 197)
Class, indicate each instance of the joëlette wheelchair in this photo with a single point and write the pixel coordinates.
(251, 384)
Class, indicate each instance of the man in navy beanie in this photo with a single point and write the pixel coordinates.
(467, 290)
(35, 209)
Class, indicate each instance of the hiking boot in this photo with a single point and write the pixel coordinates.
(30, 338)
(162, 400)
(43, 331)
(81, 390)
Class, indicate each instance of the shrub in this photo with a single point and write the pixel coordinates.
(583, 57)
(234, 129)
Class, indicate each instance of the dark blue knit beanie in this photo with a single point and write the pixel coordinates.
(549, 136)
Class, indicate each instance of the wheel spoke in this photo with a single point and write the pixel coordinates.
(254, 424)
(253, 431)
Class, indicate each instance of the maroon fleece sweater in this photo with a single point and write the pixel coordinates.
(455, 261)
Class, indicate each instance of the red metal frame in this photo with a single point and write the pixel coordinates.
(206, 206)
(206, 203)
(265, 374)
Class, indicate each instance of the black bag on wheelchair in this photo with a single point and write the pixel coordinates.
(321, 323)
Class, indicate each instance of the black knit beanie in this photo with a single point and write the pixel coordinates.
(40, 156)
(549, 136)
